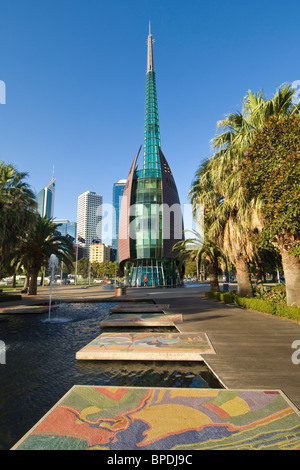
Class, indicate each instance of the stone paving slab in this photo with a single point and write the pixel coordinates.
(143, 418)
(140, 308)
(140, 319)
(147, 346)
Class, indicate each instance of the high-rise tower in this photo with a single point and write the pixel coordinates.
(118, 190)
(45, 199)
(151, 126)
(150, 220)
(89, 220)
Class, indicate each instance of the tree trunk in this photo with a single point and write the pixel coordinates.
(259, 271)
(33, 283)
(213, 275)
(13, 282)
(245, 288)
(291, 269)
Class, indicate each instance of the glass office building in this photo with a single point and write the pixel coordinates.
(45, 200)
(118, 190)
(150, 217)
(67, 228)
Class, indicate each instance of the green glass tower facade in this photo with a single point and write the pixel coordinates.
(147, 260)
(151, 164)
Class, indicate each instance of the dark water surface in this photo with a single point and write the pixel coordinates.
(41, 366)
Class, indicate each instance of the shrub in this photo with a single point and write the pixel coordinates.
(273, 294)
(288, 312)
(260, 305)
(226, 297)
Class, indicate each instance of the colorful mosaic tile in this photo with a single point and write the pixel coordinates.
(121, 418)
(144, 346)
(139, 308)
(140, 319)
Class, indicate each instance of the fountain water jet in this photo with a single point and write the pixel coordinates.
(53, 265)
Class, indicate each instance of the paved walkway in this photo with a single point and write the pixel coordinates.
(253, 350)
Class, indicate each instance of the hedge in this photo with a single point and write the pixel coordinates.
(9, 297)
(265, 306)
(224, 296)
(257, 304)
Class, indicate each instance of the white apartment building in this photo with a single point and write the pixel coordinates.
(89, 220)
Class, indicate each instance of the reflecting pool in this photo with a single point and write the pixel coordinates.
(40, 365)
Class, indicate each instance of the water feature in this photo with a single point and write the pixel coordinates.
(53, 265)
(41, 366)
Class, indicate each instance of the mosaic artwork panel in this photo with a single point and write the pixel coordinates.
(140, 308)
(141, 319)
(146, 341)
(147, 346)
(121, 418)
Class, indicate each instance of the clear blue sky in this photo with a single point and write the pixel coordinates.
(75, 74)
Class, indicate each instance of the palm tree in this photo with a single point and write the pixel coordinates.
(237, 216)
(17, 211)
(234, 216)
(41, 242)
(189, 249)
(205, 200)
(200, 249)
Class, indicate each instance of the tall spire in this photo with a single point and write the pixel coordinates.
(150, 63)
(151, 161)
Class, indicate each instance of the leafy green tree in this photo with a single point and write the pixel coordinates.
(271, 176)
(95, 268)
(38, 244)
(110, 269)
(115, 269)
(83, 267)
(236, 216)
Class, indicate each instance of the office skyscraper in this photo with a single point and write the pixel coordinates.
(67, 228)
(118, 190)
(89, 220)
(45, 199)
(150, 217)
